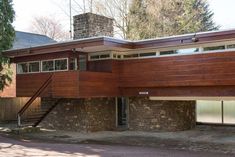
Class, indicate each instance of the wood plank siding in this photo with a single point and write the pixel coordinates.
(64, 84)
(98, 84)
(202, 74)
(209, 74)
(211, 69)
(13, 106)
(28, 84)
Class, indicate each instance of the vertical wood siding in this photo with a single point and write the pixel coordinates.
(9, 107)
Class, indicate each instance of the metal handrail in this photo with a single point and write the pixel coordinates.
(30, 101)
(47, 112)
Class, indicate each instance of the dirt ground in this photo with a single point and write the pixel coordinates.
(27, 148)
(202, 139)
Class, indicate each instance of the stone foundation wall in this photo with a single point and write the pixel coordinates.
(152, 115)
(99, 114)
(84, 115)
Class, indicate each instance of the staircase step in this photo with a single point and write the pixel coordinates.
(35, 115)
(39, 112)
(41, 108)
(30, 120)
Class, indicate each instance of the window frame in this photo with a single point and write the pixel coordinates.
(54, 65)
(67, 63)
(214, 50)
(22, 63)
(75, 62)
(45, 61)
(34, 62)
(98, 56)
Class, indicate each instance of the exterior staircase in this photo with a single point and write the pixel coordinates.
(34, 117)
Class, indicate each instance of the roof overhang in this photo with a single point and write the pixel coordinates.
(187, 39)
(84, 45)
(108, 43)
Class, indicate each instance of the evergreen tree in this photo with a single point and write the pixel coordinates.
(7, 34)
(159, 18)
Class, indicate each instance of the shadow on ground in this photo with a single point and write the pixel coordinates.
(27, 148)
(201, 139)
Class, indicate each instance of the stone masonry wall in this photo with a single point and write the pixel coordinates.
(84, 115)
(152, 115)
(99, 114)
(92, 25)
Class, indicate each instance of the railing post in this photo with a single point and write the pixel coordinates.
(18, 120)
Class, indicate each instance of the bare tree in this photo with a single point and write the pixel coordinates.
(116, 9)
(142, 19)
(49, 27)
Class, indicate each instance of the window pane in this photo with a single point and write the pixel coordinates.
(231, 46)
(229, 112)
(95, 57)
(214, 48)
(48, 65)
(34, 67)
(209, 111)
(130, 56)
(168, 52)
(22, 68)
(185, 51)
(105, 56)
(147, 54)
(73, 64)
(61, 64)
(82, 62)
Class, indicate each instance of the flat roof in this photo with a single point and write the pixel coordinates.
(108, 43)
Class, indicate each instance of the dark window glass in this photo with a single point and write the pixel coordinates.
(82, 62)
(48, 65)
(73, 64)
(95, 57)
(34, 67)
(147, 54)
(130, 56)
(231, 46)
(105, 56)
(168, 52)
(122, 109)
(214, 48)
(61, 64)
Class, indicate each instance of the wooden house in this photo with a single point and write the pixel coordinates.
(101, 83)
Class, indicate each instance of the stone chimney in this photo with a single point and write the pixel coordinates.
(92, 25)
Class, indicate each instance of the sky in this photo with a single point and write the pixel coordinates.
(27, 10)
